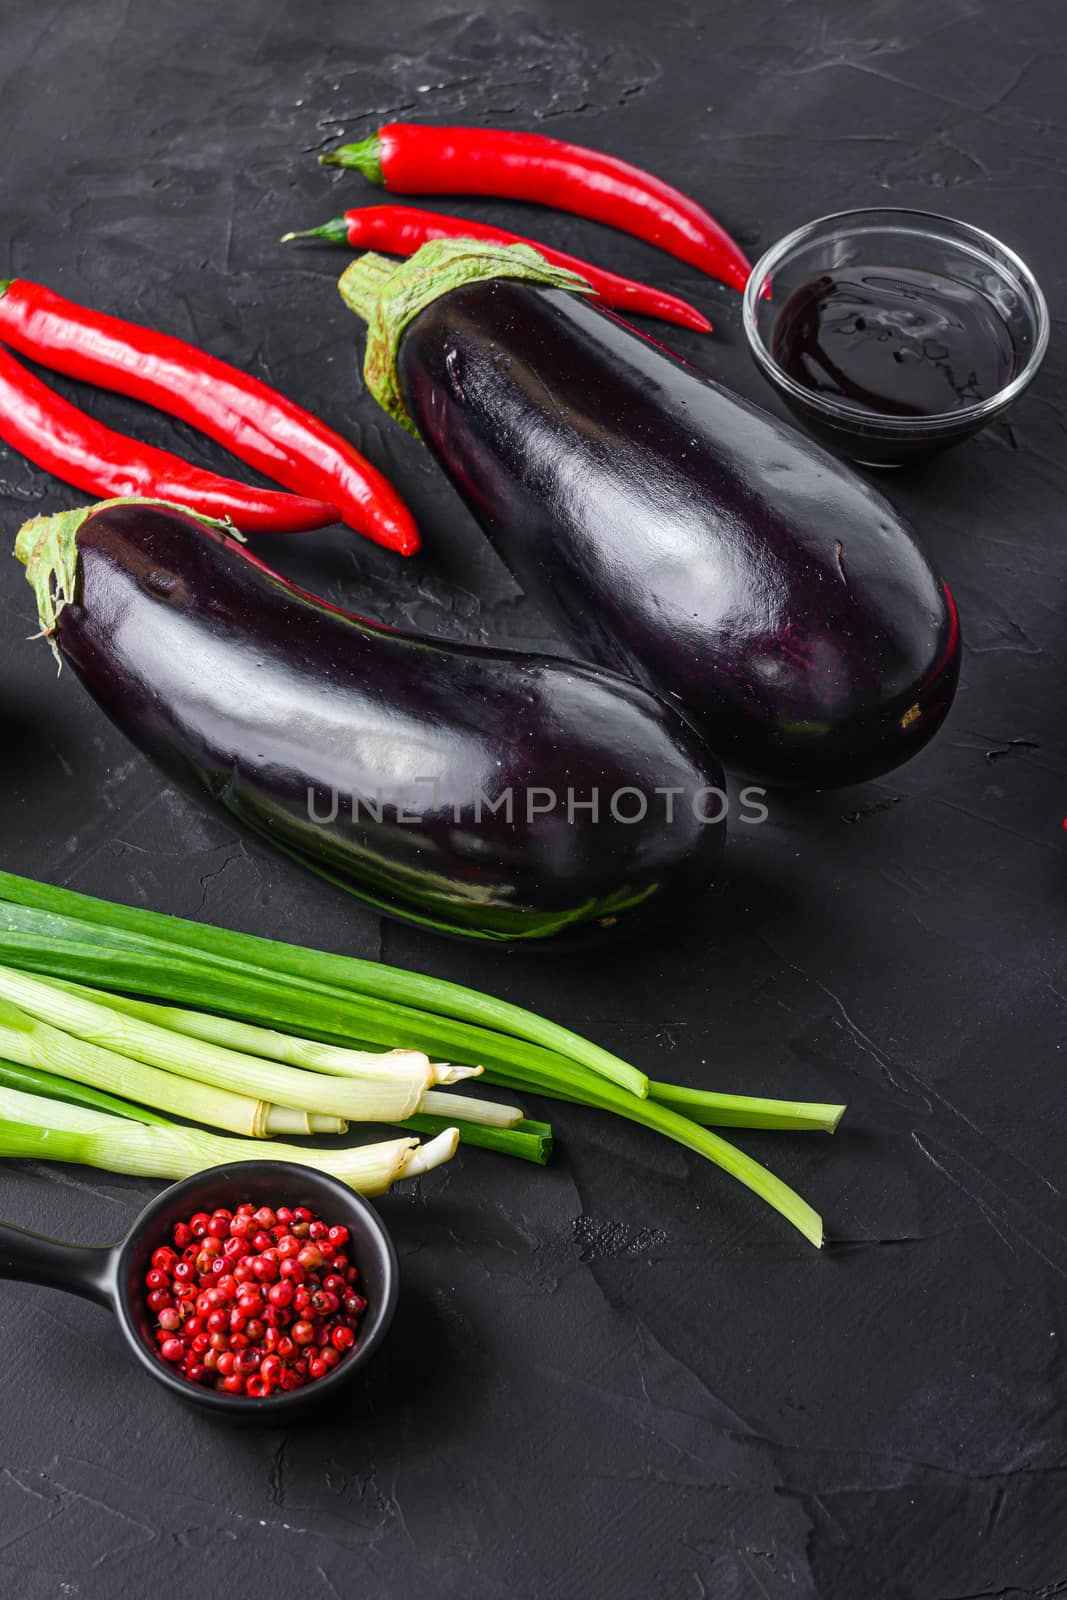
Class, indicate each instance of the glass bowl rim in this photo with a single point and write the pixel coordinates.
(980, 243)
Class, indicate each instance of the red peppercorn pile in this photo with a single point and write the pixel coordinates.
(254, 1301)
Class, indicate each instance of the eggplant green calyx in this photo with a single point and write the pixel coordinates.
(389, 295)
(335, 231)
(48, 549)
(366, 157)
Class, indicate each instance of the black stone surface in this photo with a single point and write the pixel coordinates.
(620, 1377)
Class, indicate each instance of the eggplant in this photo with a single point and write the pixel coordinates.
(673, 530)
(381, 759)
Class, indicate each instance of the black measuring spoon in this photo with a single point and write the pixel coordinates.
(113, 1275)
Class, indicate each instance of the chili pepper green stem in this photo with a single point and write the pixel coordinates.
(365, 156)
(336, 231)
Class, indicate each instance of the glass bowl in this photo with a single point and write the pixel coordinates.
(892, 238)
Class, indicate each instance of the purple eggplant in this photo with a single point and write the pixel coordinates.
(477, 791)
(675, 531)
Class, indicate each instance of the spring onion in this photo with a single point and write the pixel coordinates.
(512, 1064)
(490, 1113)
(34, 1080)
(274, 1045)
(60, 1116)
(50, 1130)
(30, 1042)
(745, 1110)
(342, 1019)
(389, 1095)
(350, 1005)
(369, 1099)
(370, 978)
(529, 1141)
(44, 942)
(35, 942)
(662, 1119)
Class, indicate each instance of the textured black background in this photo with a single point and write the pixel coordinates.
(620, 1377)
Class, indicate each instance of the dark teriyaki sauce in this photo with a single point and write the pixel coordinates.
(894, 341)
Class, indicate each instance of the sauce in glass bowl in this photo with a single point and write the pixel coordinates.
(895, 341)
(893, 333)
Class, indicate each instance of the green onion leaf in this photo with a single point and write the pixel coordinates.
(746, 1111)
(368, 978)
(529, 1141)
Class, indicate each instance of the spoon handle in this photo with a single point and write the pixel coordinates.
(33, 1258)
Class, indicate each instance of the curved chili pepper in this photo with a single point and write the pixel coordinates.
(401, 230)
(261, 427)
(55, 435)
(409, 158)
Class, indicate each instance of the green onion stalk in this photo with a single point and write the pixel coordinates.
(274, 1045)
(29, 1041)
(528, 1141)
(347, 1003)
(32, 1127)
(372, 979)
(46, 943)
(37, 1007)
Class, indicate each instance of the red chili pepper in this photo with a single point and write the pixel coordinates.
(411, 159)
(260, 426)
(400, 230)
(55, 435)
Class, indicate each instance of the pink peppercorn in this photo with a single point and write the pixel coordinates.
(258, 1301)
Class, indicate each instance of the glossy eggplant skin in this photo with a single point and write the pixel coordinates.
(683, 535)
(278, 705)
